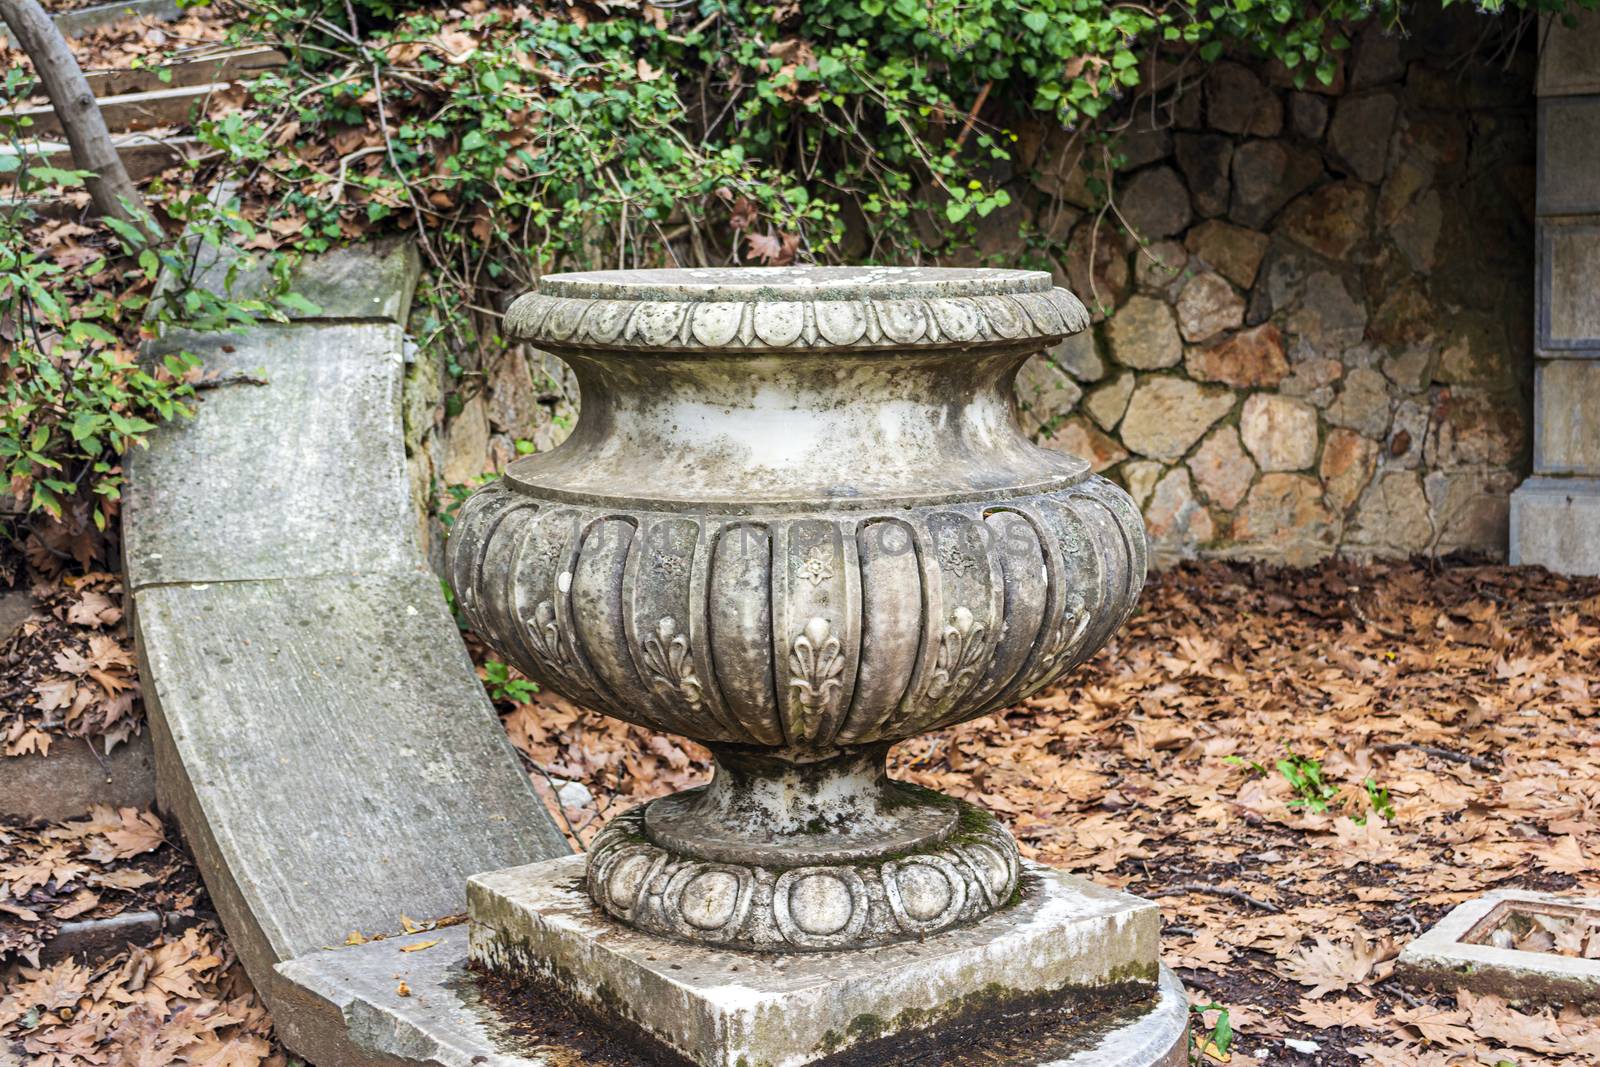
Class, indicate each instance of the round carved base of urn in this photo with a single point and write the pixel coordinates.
(824, 907)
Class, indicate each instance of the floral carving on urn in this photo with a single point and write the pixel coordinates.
(798, 522)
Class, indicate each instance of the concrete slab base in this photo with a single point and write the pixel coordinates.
(375, 1005)
(1555, 523)
(1066, 945)
(1458, 952)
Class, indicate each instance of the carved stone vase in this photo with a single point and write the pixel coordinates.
(798, 522)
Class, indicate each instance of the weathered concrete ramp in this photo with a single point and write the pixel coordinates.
(319, 732)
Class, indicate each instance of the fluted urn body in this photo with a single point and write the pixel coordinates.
(797, 522)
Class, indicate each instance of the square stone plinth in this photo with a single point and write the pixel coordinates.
(1066, 941)
(1461, 951)
(1555, 523)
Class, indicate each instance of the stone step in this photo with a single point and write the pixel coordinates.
(184, 70)
(87, 19)
(125, 112)
(143, 153)
(74, 777)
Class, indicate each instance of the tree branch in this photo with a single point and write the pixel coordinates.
(112, 191)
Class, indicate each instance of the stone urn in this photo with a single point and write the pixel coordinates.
(798, 522)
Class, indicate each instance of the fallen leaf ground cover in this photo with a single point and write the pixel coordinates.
(1305, 768)
(179, 998)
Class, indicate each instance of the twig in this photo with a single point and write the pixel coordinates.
(344, 166)
(1219, 891)
(1387, 631)
(1411, 1001)
(400, 174)
(113, 192)
(561, 808)
(1477, 763)
(972, 116)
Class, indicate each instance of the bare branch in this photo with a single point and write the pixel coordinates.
(113, 192)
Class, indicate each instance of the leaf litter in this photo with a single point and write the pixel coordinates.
(1306, 768)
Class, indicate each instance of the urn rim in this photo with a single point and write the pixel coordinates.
(788, 284)
(735, 310)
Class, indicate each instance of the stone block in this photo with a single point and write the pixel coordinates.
(1076, 436)
(1207, 305)
(1555, 523)
(1358, 136)
(1143, 334)
(1266, 176)
(1174, 520)
(1393, 517)
(1159, 264)
(1155, 203)
(1348, 463)
(1308, 115)
(1233, 250)
(1377, 57)
(1461, 952)
(1168, 415)
(345, 1006)
(1283, 520)
(1078, 356)
(1279, 431)
(374, 280)
(1045, 394)
(1566, 55)
(1331, 220)
(1363, 403)
(1569, 155)
(1065, 940)
(1221, 468)
(1566, 417)
(1249, 359)
(73, 778)
(1142, 144)
(197, 497)
(1106, 404)
(1205, 160)
(1476, 429)
(1471, 509)
(1238, 102)
(1568, 298)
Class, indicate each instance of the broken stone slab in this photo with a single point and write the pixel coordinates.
(1458, 953)
(374, 281)
(74, 777)
(345, 1006)
(329, 754)
(304, 474)
(1065, 943)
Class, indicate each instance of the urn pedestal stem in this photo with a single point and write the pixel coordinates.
(798, 522)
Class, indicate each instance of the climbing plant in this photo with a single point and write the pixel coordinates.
(75, 306)
(516, 138)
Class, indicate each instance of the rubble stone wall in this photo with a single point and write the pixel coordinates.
(1324, 343)
(1319, 342)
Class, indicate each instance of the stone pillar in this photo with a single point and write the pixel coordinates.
(1555, 514)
